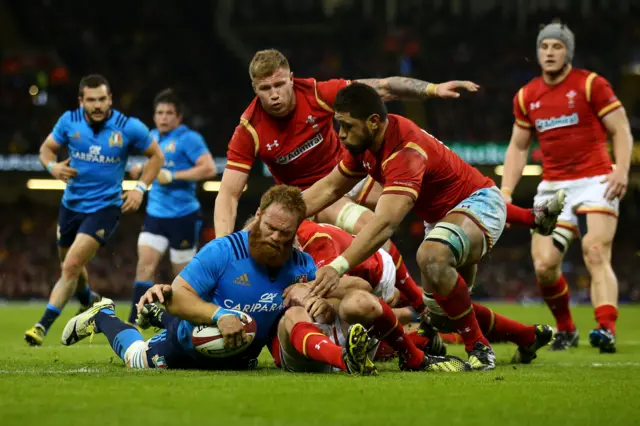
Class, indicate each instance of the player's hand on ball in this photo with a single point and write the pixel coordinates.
(165, 177)
(63, 171)
(132, 201)
(136, 170)
(232, 331)
(319, 309)
(296, 294)
(157, 293)
(450, 89)
(617, 182)
(327, 280)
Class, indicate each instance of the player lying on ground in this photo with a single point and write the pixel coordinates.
(245, 269)
(571, 112)
(289, 127)
(99, 140)
(418, 173)
(173, 219)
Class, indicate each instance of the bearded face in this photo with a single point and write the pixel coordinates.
(272, 236)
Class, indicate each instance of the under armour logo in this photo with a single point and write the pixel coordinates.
(534, 105)
(367, 165)
(311, 119)
(274, 145)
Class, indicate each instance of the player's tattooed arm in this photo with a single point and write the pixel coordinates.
(406, 88)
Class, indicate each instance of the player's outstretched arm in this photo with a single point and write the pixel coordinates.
(226, 206)
(405, 88)
(327, 191)
(390, 211)
(617, 125)
(515, 160)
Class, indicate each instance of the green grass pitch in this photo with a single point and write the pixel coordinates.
(88, 385)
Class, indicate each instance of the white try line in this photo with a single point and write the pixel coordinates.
(73, 371)
(587, 364)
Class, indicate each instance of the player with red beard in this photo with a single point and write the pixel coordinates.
(419, 173)
(571, 111)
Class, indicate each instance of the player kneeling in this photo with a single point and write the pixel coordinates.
(306, 334)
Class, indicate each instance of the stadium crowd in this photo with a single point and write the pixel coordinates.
(28, 259)
(140, 57)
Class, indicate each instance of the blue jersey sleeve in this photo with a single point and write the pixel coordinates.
(204, 270)
(310, 266)
(195, 146)
(61, 129)
(139, 134)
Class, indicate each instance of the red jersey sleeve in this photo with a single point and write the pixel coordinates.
(403, 172)
(243, 148)
(321, 248)
(600, 95)
(351, 167)
(326, 91)
(520, 110)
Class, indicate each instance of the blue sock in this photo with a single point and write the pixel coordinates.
(50, 315)
(84, 296)
(120, 334)
(139, 289)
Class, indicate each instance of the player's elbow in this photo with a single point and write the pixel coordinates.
(209, 171)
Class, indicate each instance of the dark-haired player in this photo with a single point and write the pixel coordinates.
(99, 140)
(289, 127)
(419, 173)
(173, 218)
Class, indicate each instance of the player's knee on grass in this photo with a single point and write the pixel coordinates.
(360, 307)
(136, 355)
(595, 251)
(437, 265)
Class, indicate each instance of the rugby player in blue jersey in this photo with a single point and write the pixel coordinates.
(99, 140)
(173, 218)
(245, 271)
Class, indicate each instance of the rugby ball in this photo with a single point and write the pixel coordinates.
(208, 341)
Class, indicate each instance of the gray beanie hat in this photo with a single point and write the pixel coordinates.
(559, 32)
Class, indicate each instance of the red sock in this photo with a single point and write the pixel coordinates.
(404, 282)
(384, 352)
(451, 338)
(606, 316)
(421, 342)
(557, 298)
(520, 216)
(502, 329)
(311, 342)
(387, 327)
(457, 306)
